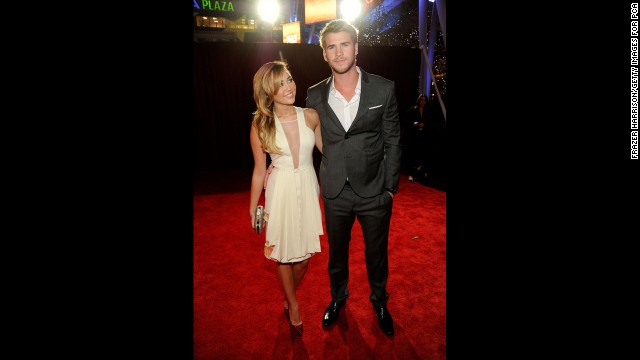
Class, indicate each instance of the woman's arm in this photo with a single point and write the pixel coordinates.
(259, 171)
(313, 122)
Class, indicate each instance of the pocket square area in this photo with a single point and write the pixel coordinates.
(375, 107)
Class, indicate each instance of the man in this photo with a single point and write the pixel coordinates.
(360, 166)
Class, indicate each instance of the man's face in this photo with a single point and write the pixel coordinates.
(340, 51)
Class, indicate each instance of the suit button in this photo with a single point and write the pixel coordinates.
(346, 136)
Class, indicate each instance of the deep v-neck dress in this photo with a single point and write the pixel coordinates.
(292, 198)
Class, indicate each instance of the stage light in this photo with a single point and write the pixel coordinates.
(269, 10)
(350, 9)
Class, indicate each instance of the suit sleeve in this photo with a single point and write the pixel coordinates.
(309, 103)
(391, 130)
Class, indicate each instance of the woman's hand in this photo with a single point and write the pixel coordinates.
(267, 251)
(252, 216)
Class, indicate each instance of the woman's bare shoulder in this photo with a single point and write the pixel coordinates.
(311, 116)
(311, 111)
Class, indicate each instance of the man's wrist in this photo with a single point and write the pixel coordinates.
(393, 190)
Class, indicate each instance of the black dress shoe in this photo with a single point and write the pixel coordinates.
(384, 320)
(331, 313)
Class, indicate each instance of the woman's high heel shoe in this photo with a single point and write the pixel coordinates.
(298, 327)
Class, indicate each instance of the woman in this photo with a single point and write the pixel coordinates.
(292, 209)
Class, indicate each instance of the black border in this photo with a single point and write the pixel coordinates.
(539, 124)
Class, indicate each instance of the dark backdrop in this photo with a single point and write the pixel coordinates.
(223, 94)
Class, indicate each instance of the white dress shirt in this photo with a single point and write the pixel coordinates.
(345, 110)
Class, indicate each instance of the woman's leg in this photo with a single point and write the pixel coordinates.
(285, 275)
(299, 269)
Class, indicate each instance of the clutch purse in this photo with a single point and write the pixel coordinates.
(259, 222)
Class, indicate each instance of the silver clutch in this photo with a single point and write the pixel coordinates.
(259, 223)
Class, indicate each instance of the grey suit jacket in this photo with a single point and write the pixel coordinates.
(369, 153)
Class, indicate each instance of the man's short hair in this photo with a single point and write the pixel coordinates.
(338, 25)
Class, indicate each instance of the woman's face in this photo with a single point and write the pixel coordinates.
(286, 93)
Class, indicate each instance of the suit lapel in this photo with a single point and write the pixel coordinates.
(325, 103)
(364, 95)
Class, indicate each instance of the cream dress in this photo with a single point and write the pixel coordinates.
(292, 201)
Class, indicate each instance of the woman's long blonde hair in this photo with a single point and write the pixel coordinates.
(264, 88)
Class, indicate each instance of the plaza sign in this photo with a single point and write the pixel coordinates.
(214, 5)
(231, 9)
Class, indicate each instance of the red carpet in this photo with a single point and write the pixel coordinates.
(238, 301)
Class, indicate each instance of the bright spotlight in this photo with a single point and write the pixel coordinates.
(350, 9)
(268, 10)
